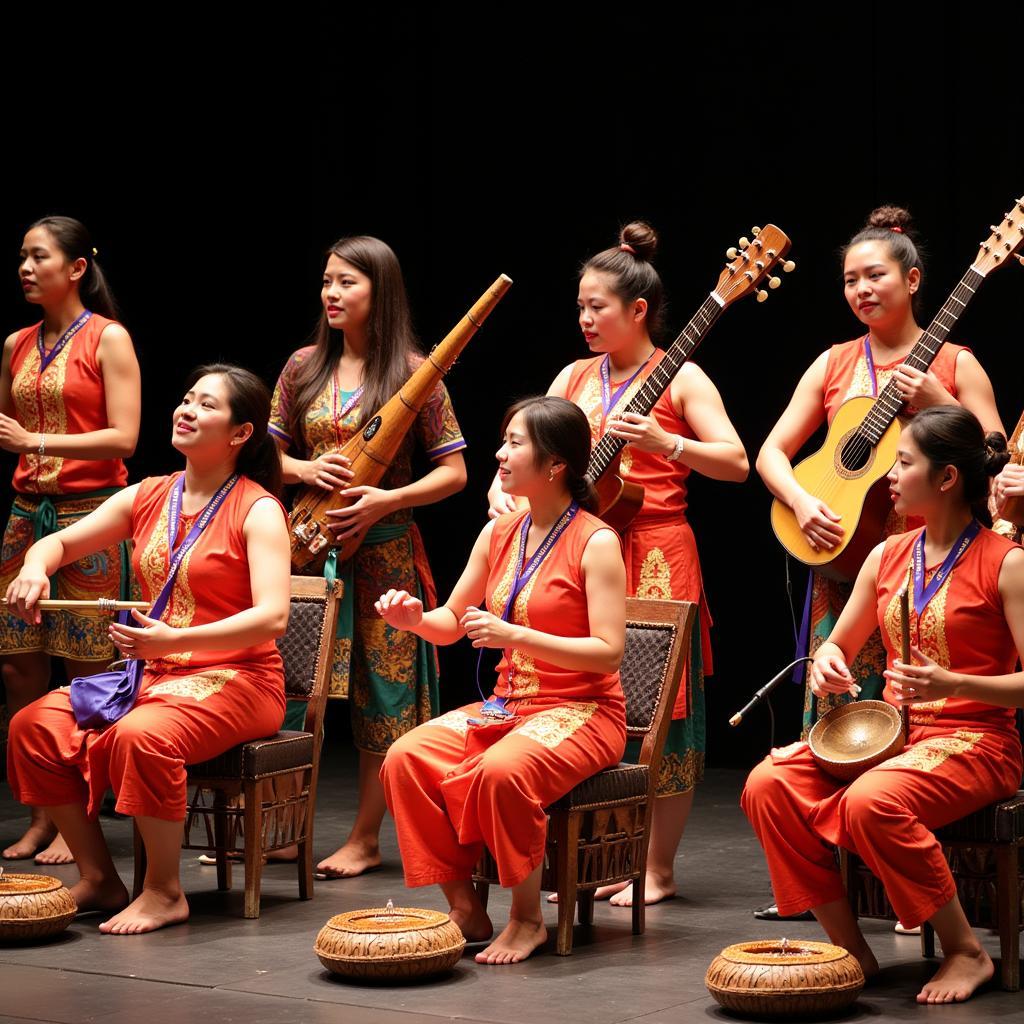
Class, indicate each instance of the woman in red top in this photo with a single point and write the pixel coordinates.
(621, 309)
(69, 408)
(967, 629)
(554, 586)
(882, 275)
(213, 677)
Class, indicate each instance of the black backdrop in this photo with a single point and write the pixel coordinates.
(215, 155)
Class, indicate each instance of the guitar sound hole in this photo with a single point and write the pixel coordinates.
(856, 453)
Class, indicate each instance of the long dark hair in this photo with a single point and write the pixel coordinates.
(894, 226)
(249, 401)
(559, 429)
(392, 346)
(949, 435)
(628, 265)
(73, 240)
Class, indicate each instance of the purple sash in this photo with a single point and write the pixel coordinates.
(923, 594)
(100, 700)
(495, 707)
(45, 358)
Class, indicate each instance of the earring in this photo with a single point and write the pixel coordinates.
(551, 476)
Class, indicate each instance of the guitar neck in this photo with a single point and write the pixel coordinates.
(657, 381)
(890, 402)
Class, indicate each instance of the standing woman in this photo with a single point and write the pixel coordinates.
(882, 272)
(620, 311)
(70, 401)
(363, 352)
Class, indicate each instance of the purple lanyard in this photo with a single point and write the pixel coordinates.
(923, 594)
(45, 358)
(173, 521)
(868, 358)
(608, 400)
(495, 707)
(349, 405)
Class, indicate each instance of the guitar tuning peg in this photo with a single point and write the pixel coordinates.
(788, 267)
(774, 282)
(1019, 258)
(761, 295)
(744, 242)
(731, 253)
(755, 231)
(995, 230)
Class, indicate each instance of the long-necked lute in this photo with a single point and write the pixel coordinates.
(1013, 510)
(619, 500)
(372, 449)
(848, 471)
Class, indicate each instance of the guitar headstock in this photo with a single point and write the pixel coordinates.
(1006, 240)
(753, 261)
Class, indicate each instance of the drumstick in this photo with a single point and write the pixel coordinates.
(101, 606)
(905, 653)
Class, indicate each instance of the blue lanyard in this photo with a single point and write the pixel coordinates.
(608, 400)
(923, 594)
(869, 359)
(45, 358)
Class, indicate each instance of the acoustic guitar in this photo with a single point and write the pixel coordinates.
(848, 472)
(619, 500)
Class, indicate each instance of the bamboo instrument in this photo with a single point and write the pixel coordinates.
(101, 606)
(905, 653)
(371, 451)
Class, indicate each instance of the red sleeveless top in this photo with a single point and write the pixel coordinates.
(553, 601)
(664, 482)
(66, 398)
(963, 628)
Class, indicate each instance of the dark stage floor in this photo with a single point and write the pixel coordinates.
(220, 967)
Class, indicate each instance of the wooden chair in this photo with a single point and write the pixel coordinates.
(984, 851)
(598, 833)
(257, 785)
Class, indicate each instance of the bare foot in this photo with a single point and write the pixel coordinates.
(106, 895)
(475, 924)
(515, 943)
(602, 892)
(287, 854)
(152, 910)
(656, 889)
(962, 971)
(56, 853)
(38, 835)
(351, 860)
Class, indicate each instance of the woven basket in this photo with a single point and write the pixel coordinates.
(33, 907)
(776, 978)
(396, 943)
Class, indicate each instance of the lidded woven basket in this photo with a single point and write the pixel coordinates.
(33, 907)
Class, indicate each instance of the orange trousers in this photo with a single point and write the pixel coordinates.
(885, 816)
(177, 720)
(454, 786)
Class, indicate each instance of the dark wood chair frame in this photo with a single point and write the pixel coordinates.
(599, 833)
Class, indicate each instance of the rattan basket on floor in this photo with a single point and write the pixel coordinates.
(394, 943)
(778, 978)
(33, 907)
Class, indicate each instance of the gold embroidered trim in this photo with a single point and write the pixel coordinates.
(198, 686)
(549, 728)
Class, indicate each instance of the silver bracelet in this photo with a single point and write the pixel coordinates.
(677, 449)
(42, 445)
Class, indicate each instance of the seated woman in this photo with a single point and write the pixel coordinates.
(967, 627)
(555, 587)
(213, 677)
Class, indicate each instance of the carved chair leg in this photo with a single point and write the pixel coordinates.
(221, 804)
(566, 825)
(927, 941)
(585, 900)
(483, 891)
(139, 849)
(303, 812)
(1008, 895)
(253, 821)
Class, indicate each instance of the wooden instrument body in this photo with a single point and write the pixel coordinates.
(860, 496)
(1013, 510)
(618, 499)
(371, 451)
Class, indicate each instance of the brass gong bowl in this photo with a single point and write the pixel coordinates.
(857, 736)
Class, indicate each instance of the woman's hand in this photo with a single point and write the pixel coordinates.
(829, 674)
(642, 432)
(400, 609)
(330, 471)
(820, 525)
(916, 684)
(1008, 484)
(24, 591)
(373, 503)
(485, 629)
(919, 388)
(15, 438)
(153, 639)
(499, 502)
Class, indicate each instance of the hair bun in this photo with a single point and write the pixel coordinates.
(997, 454)
(641, 238)
(891, 218)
